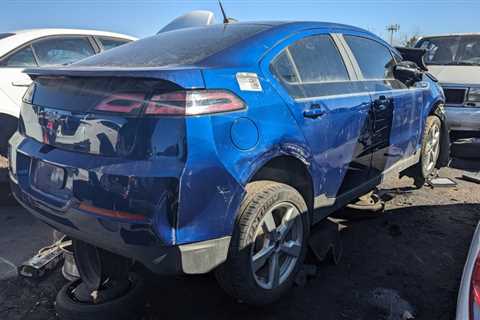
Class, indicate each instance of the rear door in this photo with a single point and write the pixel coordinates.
(13, 81)
(396, 108)
(51, 51)
(319, 86)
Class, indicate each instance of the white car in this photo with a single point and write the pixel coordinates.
(455, 60)
(38, 48)
(468, 303)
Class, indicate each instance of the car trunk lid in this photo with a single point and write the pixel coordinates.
(102, 111)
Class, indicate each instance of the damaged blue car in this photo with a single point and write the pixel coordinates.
(217, 148)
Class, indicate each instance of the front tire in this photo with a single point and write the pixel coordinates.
(268, 246)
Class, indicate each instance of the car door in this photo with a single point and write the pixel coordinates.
(396, 108)
(13, 82)
(56, 50)
(319, 86)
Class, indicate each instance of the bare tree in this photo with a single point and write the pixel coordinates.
(410, 39)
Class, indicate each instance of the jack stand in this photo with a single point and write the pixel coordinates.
(368, 202)
(325, 241)
(45, 260)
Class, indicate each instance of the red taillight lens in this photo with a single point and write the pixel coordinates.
(194, 103)
(122, 103)
(475, 291)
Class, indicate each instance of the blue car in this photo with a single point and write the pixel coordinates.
(217, 148)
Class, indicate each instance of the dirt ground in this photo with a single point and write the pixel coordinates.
(408, 259)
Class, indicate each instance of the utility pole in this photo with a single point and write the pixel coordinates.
(392, 29)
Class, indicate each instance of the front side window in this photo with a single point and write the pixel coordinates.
(311, 67)
(451, 50)
(21, 59)
(374, 59)
(110, 43)
(61, 51)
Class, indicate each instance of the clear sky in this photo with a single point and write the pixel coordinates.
(145, 17)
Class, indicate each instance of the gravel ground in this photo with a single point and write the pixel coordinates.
(408, 259)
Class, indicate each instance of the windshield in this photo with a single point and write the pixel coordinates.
(180, 47)
(451, 50)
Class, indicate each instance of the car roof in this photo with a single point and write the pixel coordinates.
(20, 37)
(460, 34)
(247, 51)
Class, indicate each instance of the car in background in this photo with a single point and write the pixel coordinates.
(41, 48)
(216, 148)
(468, 303)
(455, 60)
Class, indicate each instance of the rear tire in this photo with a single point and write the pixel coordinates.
(268, 246)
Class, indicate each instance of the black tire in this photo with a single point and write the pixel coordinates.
(129, 306)
(8, 126)
(235, 276)
(419, 172)
(432, 123)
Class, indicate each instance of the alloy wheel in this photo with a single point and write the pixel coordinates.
(432, 149)
(277, 245)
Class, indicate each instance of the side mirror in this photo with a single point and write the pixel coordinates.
(407, 72)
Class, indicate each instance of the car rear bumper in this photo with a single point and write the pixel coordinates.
(463, 118)
(133, 241)
(90, 207)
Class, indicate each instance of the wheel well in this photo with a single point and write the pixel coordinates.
(291, 171)
(433, 111)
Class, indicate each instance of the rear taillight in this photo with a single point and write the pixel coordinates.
(475, 291)
(122, 103)
(193, 103)
(177, 103)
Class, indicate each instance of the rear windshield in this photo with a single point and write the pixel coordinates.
(452, 50)
(6, 35)
(179, 47)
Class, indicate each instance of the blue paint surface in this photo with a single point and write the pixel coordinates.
(184, 177)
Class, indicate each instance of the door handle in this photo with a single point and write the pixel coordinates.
(313, 113)
(382, 100)
(21, 83)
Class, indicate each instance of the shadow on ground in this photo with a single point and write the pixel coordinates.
(415, 254)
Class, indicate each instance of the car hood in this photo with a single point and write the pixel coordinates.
(456, 74)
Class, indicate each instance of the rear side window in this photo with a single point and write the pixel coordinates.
(317, 59)
(110, 43)
(61, 51)
(21, 59)
(374, 59)
(311, 67)
(178, 47)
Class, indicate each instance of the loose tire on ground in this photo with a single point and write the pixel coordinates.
(127, 307)
(236, 275)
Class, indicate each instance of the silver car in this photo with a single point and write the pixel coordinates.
(455, 60)
(469, 295)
